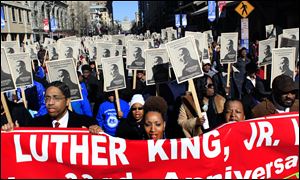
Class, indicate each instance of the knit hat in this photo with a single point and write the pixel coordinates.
(137, 98)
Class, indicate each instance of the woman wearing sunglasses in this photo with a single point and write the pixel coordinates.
(133, 127)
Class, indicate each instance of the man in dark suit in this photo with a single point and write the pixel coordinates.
(190, 65)
(139, 61)
(64, 76)
(23, 75)
(118, 79)
(231, 53)
(57, 99)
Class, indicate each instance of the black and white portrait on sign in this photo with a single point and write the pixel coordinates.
(64, 71)
(11, 47)
(113, 73)
(135, 54)
(265, 51)
(119, 50)
(93, 53)
(287, 42)
(157, 66)
(292, 33)
(229, 43)
(52, 49)
(104, 50)
(31, 49)
(21, 68)
(68, 49)
(184, 59)
(283, 62)
(270, 31)
(200, 40)
(119, 39)
(7, 82)
(209, 37)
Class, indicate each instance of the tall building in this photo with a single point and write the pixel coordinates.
(55, 12)
(17, 17)
(156, 15)
(79, 17)
(101, 16)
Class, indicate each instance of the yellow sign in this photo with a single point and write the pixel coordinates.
(244, 8)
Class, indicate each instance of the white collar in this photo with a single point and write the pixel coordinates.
(253, 81)
(63, 121)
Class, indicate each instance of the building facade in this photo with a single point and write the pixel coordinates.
(101, 16)
(49, 10)
(17, 17)
(79, 19)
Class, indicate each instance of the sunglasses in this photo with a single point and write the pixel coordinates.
(138, 108)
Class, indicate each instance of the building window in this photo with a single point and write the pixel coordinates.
(13, 36)
(28, 17)
(3, 37)
(20, 16)
(2, 7)
(13, 14)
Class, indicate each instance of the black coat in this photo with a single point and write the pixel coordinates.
(130, 129)
(75, 120)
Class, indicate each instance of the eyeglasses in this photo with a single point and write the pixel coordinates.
(209, 86)
(54, 98)
(138, 108)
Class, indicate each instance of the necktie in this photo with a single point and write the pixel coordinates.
(56, 125)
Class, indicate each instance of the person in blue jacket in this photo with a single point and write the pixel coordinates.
(108, 117)
(83, 106)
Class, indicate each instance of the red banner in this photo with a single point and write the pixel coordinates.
(259, 148)
(46, 24)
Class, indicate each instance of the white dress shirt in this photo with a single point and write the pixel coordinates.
(63, 122)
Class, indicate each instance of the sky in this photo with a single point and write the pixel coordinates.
(121, 9)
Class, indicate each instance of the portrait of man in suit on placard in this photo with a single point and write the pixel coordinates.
(190, 65)
(54, 54)
(69, 52)
(23, 75)
(268, 54)
(231, 52)
(284, 67)
(64, 76)
(138, 61)
(160, 71)
(117, 78)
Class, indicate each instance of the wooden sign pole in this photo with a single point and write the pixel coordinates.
(24, 97)
(70, 107)
(134, 79)
(117, 100)
(45, 57)
(98, 77)
(6, 110)
(195, 97)
(157, 89)
(265, 72)
(228, 76)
